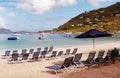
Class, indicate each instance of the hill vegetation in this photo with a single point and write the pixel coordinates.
(5, 31)
(104, 19)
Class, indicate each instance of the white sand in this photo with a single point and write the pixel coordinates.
(37, 69)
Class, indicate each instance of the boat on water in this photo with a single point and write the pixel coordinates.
(15, 34)
(42, 36)
(69, 34)
(13, 38)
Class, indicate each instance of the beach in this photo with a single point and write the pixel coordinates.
(59, 38)
(109, 71)
(38, 70)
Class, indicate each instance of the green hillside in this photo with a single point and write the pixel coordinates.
(104, 19)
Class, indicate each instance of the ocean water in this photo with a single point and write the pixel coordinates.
(32, 41)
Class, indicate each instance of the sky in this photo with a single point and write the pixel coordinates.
(38, 15)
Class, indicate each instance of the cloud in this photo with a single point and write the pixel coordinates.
(11, 14)
(2, 22)
(97, 2)
(43, 6)
(2, 9)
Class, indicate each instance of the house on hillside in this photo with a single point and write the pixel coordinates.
(101, 11)
(117, 15)
(80, 17)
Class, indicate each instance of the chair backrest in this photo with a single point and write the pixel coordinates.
(50, 49)
(91, 56)
(25, 56)
(100, 54)
(43, 54)
(45, 49)
(38, 49)
(77, 57)
(15, 51)
(7, 53)
(35, 55)
(108, 55)
(24, 51)
(14, 57)
(67, 51)
(54, 53)
(74, 51)
(31, 51)
(67, 62)
(60, 53)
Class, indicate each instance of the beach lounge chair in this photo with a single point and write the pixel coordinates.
(107, 58)
(14, 51)
(60, 53)
(45, 49)
(7, 53)
(67, 51)
(76, 60)
(50, 49)
(35, 57)
(43, 54)
(100, 56)
(38, 49)
(90, 60)
(14, 58)
(57, 67)
(74, 51)
(31, 51)
(25, 56)
(54, 54)
(24, 51)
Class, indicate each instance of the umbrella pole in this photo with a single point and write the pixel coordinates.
(93, 43)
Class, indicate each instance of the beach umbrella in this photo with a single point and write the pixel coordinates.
(93, 33)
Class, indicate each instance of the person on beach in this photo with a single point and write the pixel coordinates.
(114, 54)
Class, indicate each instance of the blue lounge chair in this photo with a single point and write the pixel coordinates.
(57, 67)
(24, 51)
(67, 51)
(35, 57)
(100, 56)
(43, 54)
(50, 49)
(25, 56)
(76, 60)
(74, 51)
(60, 53)
(90, 60)
(14, 58)
(7, 53)
(31, 51)
(14, 51)
(38, 49)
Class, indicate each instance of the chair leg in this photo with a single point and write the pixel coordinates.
(66, 69)
(57, 74)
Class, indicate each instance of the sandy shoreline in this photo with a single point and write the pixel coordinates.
(81, 48)
(38, 70)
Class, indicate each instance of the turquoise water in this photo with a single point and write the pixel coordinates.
(28, 41)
